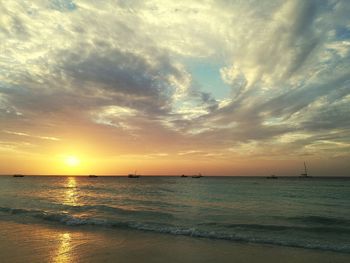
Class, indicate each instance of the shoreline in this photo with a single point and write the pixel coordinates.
(32, 242)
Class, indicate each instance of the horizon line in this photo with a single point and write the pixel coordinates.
(167, 175)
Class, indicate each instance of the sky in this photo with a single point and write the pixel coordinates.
(221, 87)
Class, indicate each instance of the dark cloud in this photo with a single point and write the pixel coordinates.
(124, 75)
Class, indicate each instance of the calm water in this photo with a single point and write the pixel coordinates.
(311, 213)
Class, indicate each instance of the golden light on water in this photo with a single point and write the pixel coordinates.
(64, 249)
(63, 254)
(71, 182)
(71, 194)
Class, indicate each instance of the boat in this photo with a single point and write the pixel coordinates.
(272, 177)
(18, 175)
(183, 175)
(92, 176)
(305, 173)
(197, 176)
(134, 175)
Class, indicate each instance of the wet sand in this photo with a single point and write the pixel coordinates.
(24, 242)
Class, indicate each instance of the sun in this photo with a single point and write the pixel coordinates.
(72, 161)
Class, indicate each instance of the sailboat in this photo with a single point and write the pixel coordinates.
(197, 176)
(305, 174)
(272, 176)
(134, 175)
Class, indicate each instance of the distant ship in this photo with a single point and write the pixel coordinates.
(305, 173)
(197, 176)
(134, 175)
(93, 176)
(18, 175)
(183, 175)
(272, 177)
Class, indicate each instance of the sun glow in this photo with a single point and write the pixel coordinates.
(72, 161)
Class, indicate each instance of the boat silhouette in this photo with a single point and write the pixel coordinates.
(197, 176)
(272, 177)
(134, 175)
(305, 173)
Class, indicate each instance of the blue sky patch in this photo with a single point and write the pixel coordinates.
(63, 5)
(343, 33)
(207, 74)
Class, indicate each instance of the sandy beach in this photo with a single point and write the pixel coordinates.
(33, 243)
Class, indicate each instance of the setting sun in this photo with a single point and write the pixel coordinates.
(72, 161)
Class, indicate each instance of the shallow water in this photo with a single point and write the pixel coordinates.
(308, 213)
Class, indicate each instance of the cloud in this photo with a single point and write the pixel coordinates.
(121, 67)
(33, 136)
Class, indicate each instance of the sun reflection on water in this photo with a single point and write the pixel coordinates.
(71, 194)
(64, 250)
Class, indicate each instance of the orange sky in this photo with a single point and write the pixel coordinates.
(174, 87)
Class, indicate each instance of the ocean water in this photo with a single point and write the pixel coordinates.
(307, 213)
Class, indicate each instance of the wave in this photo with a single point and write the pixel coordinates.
(67, 209)
(321, 220)
(262, 227)
(70, 220)
(116, 210)
(82, 187)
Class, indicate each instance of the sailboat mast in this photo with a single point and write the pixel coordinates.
(305, 168)
(304, 174)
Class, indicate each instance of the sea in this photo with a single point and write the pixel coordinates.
(309, 213)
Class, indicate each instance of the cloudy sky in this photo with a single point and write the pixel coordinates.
(225, 87)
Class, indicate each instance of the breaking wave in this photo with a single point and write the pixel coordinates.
(194, 231)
